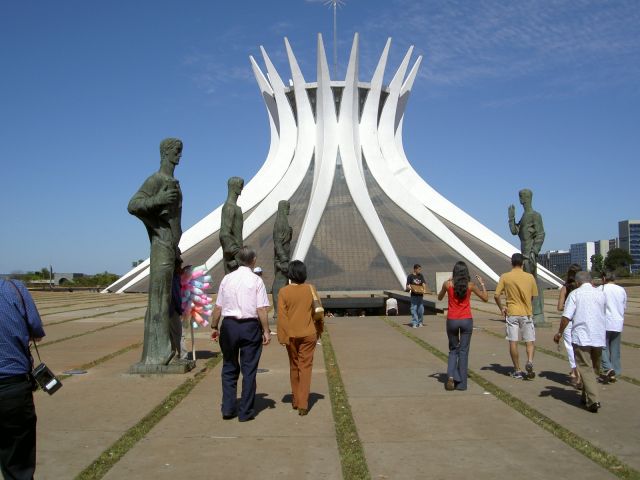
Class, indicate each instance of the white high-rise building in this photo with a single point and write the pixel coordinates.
(360, 213)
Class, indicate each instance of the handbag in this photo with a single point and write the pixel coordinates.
(41, 375)
(317, 310)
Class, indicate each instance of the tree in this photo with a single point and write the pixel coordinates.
(618, 259)
(597, 263)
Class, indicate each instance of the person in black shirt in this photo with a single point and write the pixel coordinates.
(417, 286)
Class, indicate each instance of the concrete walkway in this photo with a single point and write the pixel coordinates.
(410, 427)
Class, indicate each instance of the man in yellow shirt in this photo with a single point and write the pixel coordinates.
(519, 287)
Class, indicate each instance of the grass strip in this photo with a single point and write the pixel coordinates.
(354, 463)
(604, 459)
(102, 314)
(551, 353)
(76, 335)
(100, 360)
(112, 455)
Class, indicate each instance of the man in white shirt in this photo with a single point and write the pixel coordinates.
(392, 307)
(616, 298)
(242, 303)
(586, 307)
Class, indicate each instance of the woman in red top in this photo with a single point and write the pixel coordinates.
(460, 322)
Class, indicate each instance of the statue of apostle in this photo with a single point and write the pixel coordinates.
(531, 233)
(158, 203)
(231, 225)
(282, 234)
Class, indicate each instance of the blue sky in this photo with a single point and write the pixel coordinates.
(538, 94)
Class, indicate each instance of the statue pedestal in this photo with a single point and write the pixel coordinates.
(180, 366)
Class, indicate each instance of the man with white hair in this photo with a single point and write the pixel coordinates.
(586, 307)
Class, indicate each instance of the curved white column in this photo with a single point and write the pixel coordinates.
(351, 154)
(293, 177)
(325, 156)
(400, 194)
(405, 174)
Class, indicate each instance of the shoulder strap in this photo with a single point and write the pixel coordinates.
(313, 293)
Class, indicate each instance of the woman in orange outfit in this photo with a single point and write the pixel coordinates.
(298, 332)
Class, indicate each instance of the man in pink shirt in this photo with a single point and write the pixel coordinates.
(242, 303)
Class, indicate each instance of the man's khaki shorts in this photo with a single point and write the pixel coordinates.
(520, 323)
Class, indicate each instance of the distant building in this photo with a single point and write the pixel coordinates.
(629, 240)
(557, 261)
(581, 254)
(603, 246)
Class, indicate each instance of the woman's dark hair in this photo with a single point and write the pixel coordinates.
(297, 272)
(460, 280)
(571, 284)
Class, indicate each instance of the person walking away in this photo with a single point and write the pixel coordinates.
(298, 332)
(570, 285)
(19, 323)
(616, 304)
(417, 286)
(460, 322)
(242, 304)
(519, 287)
(585, 308)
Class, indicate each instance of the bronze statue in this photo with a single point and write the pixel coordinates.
(158, 203)
(282, 234)
(231, 225)
(531, 233)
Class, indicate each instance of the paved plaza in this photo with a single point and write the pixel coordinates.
(408, 425)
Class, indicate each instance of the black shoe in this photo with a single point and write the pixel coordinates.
(530, 373)
(248, 419)
(229, 416)
(611, 376)
(593, 408)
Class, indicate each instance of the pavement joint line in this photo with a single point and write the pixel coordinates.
(63, 309)
(101, 314)
(546, 351)
(606, 460)
(98, 361)
(112, 455)
(105, 327)
(629, 344)
(352, 457)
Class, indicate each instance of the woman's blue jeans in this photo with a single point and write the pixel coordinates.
(459, 334)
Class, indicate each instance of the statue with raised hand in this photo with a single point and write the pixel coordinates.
(158, 204)
(531, 233)
(282, 234)
(231, 225)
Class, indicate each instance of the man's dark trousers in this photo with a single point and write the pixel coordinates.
(243, 339)
(18, 427)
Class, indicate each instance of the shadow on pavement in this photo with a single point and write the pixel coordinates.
(570, 397)
(557, 377)
(441, 377)
(262, 402)
(313, 398)
(501, 369)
